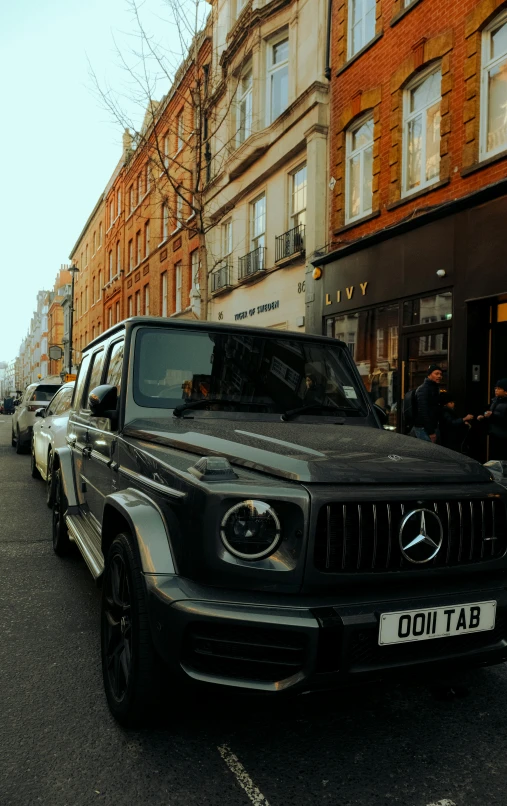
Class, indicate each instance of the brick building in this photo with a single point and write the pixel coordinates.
(55, 317)
(415, 272)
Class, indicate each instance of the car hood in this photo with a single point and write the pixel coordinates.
(313, 452)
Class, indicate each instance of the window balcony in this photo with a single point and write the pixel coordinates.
(252, 263)
(289, 244)
(221, 277)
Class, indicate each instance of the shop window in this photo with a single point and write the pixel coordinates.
(494, 88)
(361, 24)
(372, 339)
(421, 132)
(425, 310)
(501, 312)
(359, 169)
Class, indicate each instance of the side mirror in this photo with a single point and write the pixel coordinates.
(381, 414)
(40, 412)
(102, 401)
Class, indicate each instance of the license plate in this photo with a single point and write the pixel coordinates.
(437, 622)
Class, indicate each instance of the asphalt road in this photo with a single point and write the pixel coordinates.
(60, 747)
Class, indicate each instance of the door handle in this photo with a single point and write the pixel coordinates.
(71, 441)
(87, 450)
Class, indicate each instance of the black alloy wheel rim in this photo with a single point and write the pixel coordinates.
(117, 628)
(57, 515)
(49, 479)
(33, 459)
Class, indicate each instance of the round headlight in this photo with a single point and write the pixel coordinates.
(250, 530)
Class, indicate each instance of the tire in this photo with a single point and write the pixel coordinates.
(13, 439)
(20, 448)
(61, 541)
(131, 669)
(49, 481)
(33, 466)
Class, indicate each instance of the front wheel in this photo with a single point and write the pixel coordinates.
(49, 481)
(33, 464)
(61, 541)
(130, 665)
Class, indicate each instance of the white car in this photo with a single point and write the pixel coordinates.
(36, 395)
(49, 432)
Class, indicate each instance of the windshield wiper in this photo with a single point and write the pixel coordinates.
(197, 404)
(288, 415)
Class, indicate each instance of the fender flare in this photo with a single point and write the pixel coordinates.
(147, 525)
(62, 458)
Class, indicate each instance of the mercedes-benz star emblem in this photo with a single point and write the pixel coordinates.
(421, 536)
(394, 457)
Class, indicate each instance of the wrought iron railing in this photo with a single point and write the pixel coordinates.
(252, 263)
(290, 243)
(221, 277)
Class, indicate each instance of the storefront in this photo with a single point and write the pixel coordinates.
(431, 290)
(276, 300)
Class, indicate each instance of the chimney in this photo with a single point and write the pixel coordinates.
(127, 142)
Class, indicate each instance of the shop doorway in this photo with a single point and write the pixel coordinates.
(421, 349)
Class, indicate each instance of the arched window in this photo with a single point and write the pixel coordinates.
(359, 169)
(494, 88)
(421, 131)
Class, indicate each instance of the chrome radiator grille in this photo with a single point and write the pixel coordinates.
(364, 537)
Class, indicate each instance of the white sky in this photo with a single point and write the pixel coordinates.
(59, 146)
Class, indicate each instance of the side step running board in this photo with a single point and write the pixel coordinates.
(92, 555)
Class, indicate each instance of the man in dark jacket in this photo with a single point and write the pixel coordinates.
(453, 430)
(428, 408)
(496, 417)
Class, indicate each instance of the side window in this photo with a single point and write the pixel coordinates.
(63, 401)
(81, 378)
(95, 376)
(53, 406)
(114, 368)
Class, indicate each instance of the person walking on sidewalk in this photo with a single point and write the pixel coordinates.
(426, 425)
(496, 418)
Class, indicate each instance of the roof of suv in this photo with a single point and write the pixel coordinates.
(196, 324)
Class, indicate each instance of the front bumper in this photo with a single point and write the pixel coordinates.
(283, 643)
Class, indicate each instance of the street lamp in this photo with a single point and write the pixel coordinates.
(73, 270)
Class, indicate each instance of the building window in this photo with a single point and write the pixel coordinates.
(130, 306)
(179, 210)
(94, 290)
(194, 268)
(179, 132)
(138, 303)
(359, 167)
(178, 273)
(100, 234)
(147, 178)
(86, 255)
(138, 247)
(131, 255)
(118, 315)
(244, 108)
(146, 300)
(110, 317)
(118, 201)
(165, 222)
(99, 286)
(298, 196)
(361, 24)
(164, 294)
(110, 265)
(226, 238)
(166, 151)
(118, 258)
(139, 188)
(111, 213)
(494, 88)
(278, 79)
(146, 238)
(258, 222)
(86, 298)
(131, 198)
(421, 132)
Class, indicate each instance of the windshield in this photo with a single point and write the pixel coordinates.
(174, 367)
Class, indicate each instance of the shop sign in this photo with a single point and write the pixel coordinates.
(268, 306)
(349, 291)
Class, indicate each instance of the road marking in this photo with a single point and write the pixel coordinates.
(444, 802)
(242, 777)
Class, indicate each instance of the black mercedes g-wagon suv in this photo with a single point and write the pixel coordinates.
(254, 526)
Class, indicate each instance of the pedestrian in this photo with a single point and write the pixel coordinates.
(426, 420)
(453, 430)
(496, 418)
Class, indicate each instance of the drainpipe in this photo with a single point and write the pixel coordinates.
(327, 70)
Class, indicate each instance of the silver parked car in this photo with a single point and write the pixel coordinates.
(49, 432)
(35, 396)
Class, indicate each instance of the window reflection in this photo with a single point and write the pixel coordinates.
(437, 308)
